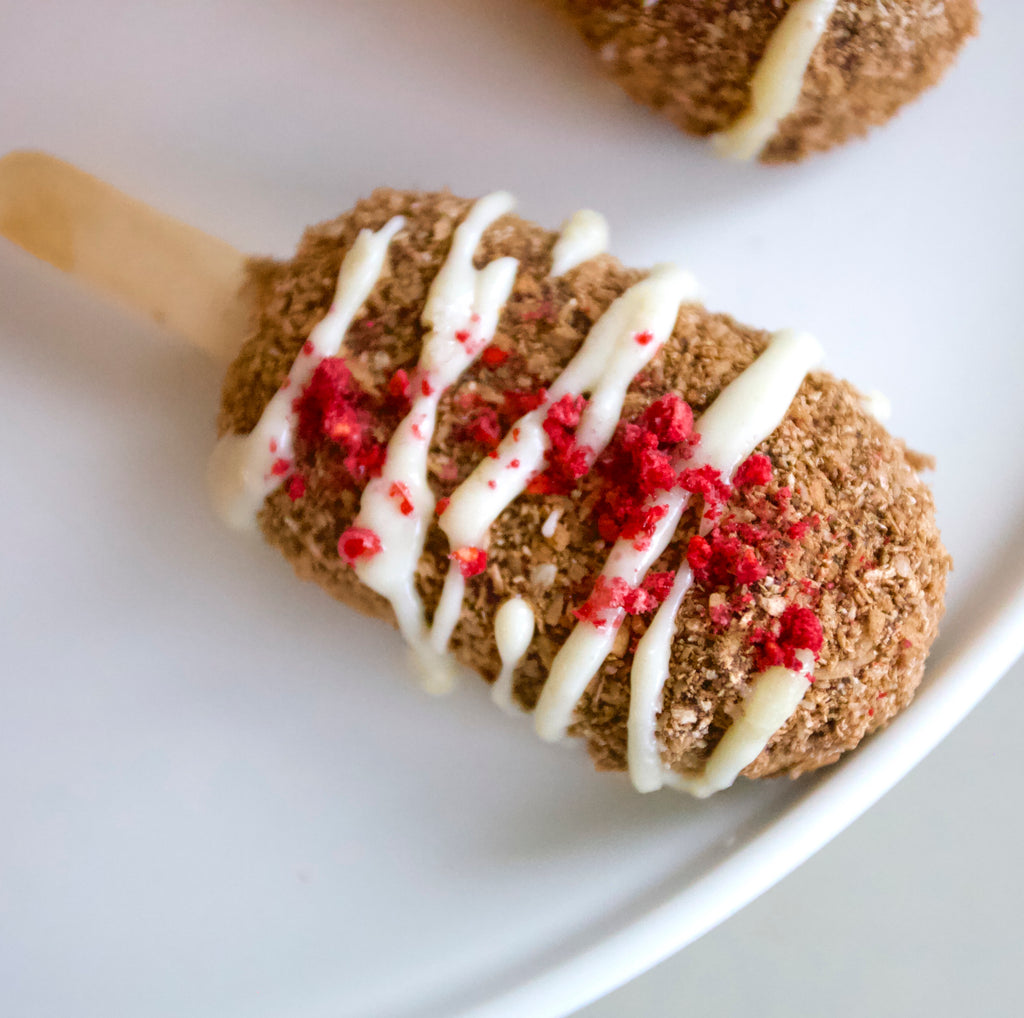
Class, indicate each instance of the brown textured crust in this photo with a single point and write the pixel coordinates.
(878, 558)
(693, 61)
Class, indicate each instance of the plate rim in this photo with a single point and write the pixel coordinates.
(645, 937)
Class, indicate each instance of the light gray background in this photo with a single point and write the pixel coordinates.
(914, 910)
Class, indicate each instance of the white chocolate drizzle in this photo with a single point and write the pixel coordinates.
(745, 413)
(514, 625)
(245, 469)
(583, 237)
(775, 694)
(777, 81)
(621, 343)
(461, 314)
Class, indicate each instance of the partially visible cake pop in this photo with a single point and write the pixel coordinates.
(775, 79)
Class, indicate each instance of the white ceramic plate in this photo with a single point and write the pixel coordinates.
(221, 794)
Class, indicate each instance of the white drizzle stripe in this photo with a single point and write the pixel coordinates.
(734, 425)
(604, 366)
(610, 357)
(241, 470)
(778, 79)
(776, 694)
(514, 624)
(583, 237)
(747, 411)
(650, 664)
(461, 314)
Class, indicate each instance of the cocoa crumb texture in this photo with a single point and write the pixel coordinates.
(867, 560)
(693, 62)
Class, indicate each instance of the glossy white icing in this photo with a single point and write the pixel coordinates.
(583, 237)
(775, 694)
(245, 469)
(778, 79)
(461, 314)
(514, 625)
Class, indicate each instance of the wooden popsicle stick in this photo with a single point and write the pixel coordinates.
(181, 277)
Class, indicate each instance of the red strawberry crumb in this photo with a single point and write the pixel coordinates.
(400, 491)
(566, 461)
(463, 335)
(471, 561)
(517, 402)
(442, 505)
(307, 347)
(358, 543)
(645, 337)
(513, 465)
(611, 596)
(797, 629)
(637, 466)
(296, 487)
(273, 445)
(721, 615)
(906, 644)
(333, 407)
(669, 418)
(399, 387)
(280, 467)
(484, 428)
(707, 482)
(658, 585)
(426, 388)
(754, 472)
(492, 484)
(494, 356)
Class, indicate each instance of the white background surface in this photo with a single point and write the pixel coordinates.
(913, 911)
(225, 798)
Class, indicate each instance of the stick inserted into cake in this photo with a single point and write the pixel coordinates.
(656, 529)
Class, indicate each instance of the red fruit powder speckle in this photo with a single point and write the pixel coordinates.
(333, 408)
(494, 356)
(400, 491)
(611, 596)
(471, 561)
(638, 465)
(797, 629)
(399, 386)
(754, 471)
(358, 543)
(566, 461)
(484, 428)
(645, 337)
(296, 487)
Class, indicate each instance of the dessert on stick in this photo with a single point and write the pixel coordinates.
(659, 530)
(775, 79)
